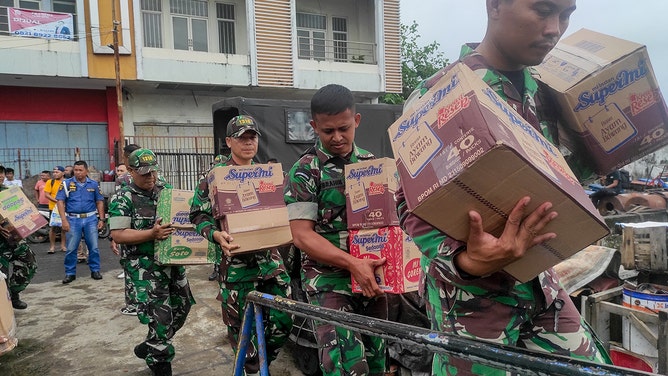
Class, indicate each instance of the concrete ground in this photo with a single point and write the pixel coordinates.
(77, 329)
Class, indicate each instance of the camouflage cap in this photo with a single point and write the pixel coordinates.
(143, 160)
(241, 124)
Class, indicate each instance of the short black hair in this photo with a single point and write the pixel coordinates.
(2, 169)
(81, 163)
(8, 170)
(46, 172)
(129, 148)
(332, 99)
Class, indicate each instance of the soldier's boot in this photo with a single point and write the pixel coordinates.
(17, 303)
(214, 273)
(161, 369)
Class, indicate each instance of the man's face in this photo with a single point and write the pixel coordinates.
(243, 147)
(524, 31)
(80, 172)
(121, 170)
(57, 174)
(44, 176)
(2, 177)
(68, 171)
(146, 181)
(9, 175)
(336, 132)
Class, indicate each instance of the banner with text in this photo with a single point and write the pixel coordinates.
(38, 24)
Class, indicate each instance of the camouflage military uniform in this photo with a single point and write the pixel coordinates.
(314, 191)
(162, 291)
(22, 259)
(238, 275)
(537, 315)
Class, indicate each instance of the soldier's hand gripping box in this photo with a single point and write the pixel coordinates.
(18, 215)
(258, 230)
(184, 246)
(370, 187)
(608, 95)
(238, 189)
(401, 271)
(462, 148)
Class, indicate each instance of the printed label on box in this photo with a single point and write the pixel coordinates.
(610, 127)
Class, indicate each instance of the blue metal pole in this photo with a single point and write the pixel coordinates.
(244, 339)
(261, 344)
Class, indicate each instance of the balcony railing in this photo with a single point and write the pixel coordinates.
(337, 51)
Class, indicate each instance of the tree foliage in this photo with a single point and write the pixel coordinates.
(417, 63)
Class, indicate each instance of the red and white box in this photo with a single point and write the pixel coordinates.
(401, 271)
(370, 187)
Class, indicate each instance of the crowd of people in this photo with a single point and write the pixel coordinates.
(466, 291)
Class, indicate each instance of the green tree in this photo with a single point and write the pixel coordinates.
(417, 63)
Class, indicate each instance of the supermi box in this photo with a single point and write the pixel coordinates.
(238, 189)
(401, 271)
(18, 215)
(608, 96)
(184, 246)
(461, 148)
(370, 187)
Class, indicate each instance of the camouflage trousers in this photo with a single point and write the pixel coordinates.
(343, 352)
(130, 295)
(557, 329)
(164, 301)
(23, 262)
(277, 324)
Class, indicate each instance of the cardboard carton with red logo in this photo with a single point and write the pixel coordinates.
(184, 246)
(18, 215)
(608, 96)
(401, 271)
(461, 147)
(370, 187)
(238, 189)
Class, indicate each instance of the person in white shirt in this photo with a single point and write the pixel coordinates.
(9, 179)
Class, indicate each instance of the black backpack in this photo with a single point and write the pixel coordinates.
(625, 179)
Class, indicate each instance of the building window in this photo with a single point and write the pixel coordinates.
(151, 17)
(226, 36)
(67, 6)
(189, 22)
(340, 36)
(25, 4)
(311, 29)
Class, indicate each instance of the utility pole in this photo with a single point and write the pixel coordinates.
(119, 87)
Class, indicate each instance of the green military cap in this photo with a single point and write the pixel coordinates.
(144, 161)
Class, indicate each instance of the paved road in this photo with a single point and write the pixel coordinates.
(77, 329)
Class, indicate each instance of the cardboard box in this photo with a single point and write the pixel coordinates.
(259, 229)
(185, 246)
(401, 271)
(8, 340)
(609, 97)
(238, 189)
(462, 148)
(370, 187)
(18, 214)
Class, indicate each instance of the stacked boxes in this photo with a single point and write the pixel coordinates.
(462, 148)
(184, 246)
(248, 202)
(608, 96)
(373, 225)
(401, 271)
(18, 215)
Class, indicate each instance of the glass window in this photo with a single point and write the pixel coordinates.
(180, 33)
(4, 4)
(199, 35)
(340, 36)
(226, 28)
(311, 30)
(189, 19)
(151, 16)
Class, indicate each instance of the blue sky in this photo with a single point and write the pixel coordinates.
(454, 22)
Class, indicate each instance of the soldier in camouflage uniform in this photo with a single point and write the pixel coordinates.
(20, 256)
(162, 291)
(315, 197)
(468, 293)
(240, 274)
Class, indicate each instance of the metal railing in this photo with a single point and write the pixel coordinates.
(514, 359)
(336, 50)
(28, 162)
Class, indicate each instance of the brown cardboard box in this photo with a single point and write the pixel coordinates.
(461, 148)
(609, 97)
(401, 271)
(184, 246)
(259, 229)
(8, 340)
(370, 187)
(238, 189)
(18, 214)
